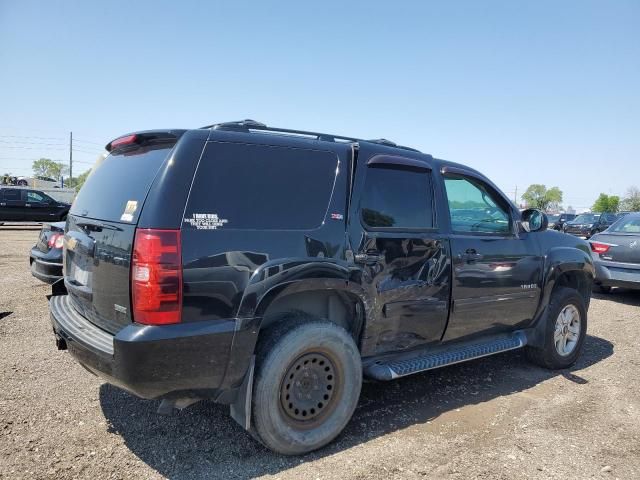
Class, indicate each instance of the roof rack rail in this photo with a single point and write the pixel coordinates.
(249, 125)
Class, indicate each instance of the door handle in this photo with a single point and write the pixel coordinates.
(470, 255)
(27, 204)
(2, 204)
(368, 258)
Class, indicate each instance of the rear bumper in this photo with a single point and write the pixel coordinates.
(613, 274)
(45, 270)
(170, 361)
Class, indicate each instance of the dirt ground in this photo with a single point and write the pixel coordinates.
(499, 417)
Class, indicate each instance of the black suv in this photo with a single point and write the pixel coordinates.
(557, 221)
(272, 269)
(586, 225)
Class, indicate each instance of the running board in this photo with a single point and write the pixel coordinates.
(441, 356)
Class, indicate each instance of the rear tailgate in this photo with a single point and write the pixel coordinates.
(100, 233)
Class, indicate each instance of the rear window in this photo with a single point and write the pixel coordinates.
(118, 185)
(10, 195)
(242, 186)
(628, 224)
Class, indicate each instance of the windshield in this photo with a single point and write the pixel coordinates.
(553, 218)
(627, 224)
(586, 218)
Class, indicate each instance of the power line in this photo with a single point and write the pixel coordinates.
(29, 143)
(32, 148)
(30, 137)
(94, 152)
(87, 141)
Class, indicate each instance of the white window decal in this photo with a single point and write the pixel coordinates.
(206, 221)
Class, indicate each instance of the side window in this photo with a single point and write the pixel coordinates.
(473, 207)
(34, 197)
(397, 197)
(11, 195)
(246, 186)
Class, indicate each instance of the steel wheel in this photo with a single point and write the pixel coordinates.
(309, 388)
(567, 330)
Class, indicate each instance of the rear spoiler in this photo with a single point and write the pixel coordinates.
(144, 138)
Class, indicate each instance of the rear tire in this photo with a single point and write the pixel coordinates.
(22, 183)
(307, 385)
(565, 331)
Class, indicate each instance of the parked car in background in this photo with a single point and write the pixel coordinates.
(271, 269)
(26, 205)
(557, 221)
(46, 256)
(586, 225)
(616, 254)
(43, 182)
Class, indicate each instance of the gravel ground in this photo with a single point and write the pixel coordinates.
(494, 418)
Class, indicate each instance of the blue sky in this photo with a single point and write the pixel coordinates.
(526, 92)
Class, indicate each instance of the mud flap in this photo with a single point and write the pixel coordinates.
(241, 407)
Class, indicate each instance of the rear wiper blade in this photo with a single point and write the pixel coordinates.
(97, 227)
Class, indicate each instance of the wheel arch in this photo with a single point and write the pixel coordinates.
(336, 300)
(568, 267)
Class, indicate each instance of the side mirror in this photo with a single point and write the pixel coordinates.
(534, 220)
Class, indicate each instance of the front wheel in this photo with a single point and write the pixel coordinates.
(307, 385)
(565, 331)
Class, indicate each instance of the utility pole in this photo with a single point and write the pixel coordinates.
(70, 155)
(515, 196)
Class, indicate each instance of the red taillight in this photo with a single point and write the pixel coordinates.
(56, 240)
(156, 277)
(122, 141)
(600, 247)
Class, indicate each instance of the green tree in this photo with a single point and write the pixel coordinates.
(78, 181)
(538, 196)
(46, 167)
(606, 203)
(631, 202)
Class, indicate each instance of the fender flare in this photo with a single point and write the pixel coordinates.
(558, 261)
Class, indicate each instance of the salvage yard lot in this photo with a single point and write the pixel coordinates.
(499, 417)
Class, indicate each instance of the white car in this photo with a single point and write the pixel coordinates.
(38, 182)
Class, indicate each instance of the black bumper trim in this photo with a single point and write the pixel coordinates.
(78, 328)
(166, 361)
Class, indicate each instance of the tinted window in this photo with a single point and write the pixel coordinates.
(35, 197)
(10, 195)
(397, 198)
(473, 207)
(117, 180)
(239, 186)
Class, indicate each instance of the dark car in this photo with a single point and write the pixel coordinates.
(46, 256)
(616, 254)
(271, 269)
(26, 205)
(586, 225)
(557, 221)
